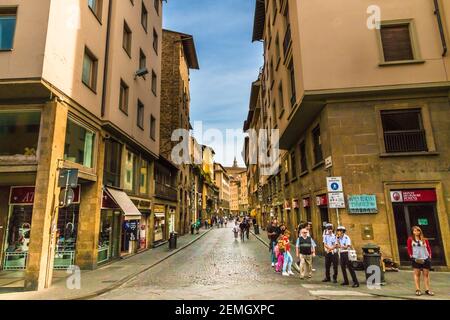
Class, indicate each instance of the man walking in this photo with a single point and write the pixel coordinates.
(331, 256)
(344, 244)
(306, 251)
(273, 232)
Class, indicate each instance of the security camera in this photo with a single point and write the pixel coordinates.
(141, 73)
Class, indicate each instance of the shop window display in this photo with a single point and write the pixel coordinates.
(18, 239)
(67, 231)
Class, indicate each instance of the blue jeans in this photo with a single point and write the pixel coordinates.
(287, 267)
(273, 256)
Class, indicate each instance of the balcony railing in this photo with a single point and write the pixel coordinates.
(405, 141)
(287, 41)
(166, 191)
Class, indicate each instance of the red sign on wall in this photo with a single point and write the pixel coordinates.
(21, 196)
(25, 195)
(412, 196)
(322, 200)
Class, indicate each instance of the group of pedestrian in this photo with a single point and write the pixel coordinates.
(338, 250)
(242, 227)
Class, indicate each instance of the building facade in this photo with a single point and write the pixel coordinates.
(74, 94)
(178, 58)
(366, 103)
(222, 181)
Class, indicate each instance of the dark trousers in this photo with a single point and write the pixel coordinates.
(345, 263)
(331, 259)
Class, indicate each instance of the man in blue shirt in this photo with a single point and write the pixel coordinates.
(331, 255)
(344, 244)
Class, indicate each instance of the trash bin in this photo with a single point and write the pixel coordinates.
(372, 258)
(173, 240)
(256, 229)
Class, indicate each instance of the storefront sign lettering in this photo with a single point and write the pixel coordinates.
(411, 196)
(22, 196)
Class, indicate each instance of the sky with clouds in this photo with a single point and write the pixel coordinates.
(229, 63)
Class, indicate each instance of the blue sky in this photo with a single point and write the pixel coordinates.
(229, 63)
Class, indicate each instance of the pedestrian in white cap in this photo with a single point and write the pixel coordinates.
(344, 243)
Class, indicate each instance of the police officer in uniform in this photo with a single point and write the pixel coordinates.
(331, 255)
(344, 244)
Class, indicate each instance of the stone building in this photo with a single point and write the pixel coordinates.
(368, 104)
(178, 58)
(238, 189)
(79, 89)
(222, 181)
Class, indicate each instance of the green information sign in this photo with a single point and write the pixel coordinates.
(362, 204)
(423, 222)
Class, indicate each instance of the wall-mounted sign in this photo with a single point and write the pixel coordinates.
(362, 204)
(336, 200)
(411, 196)
(334, 184)
(322, 201)
(159, 209)
(21, 196)
(423, 222)
(25, 195)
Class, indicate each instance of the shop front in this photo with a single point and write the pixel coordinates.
(307, 216)
(66, 233)
(119, 225)
(18, 229)
(417, 208)
(159, 233)
(144, 229)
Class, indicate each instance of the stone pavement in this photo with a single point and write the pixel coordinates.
(399, 285)
(99, 281)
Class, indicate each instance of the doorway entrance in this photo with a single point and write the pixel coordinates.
(423, 215)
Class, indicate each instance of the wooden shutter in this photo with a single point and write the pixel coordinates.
(396, 43)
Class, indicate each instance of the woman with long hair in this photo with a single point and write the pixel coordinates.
(419, 251)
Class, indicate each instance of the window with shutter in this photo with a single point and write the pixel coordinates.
(396, 41)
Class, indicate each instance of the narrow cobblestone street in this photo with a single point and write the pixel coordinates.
(218, 267)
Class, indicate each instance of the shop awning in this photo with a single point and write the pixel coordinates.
(129, 209)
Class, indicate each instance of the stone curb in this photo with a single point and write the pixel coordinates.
(134, 275)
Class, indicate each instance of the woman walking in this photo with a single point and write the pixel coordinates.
(419, 251)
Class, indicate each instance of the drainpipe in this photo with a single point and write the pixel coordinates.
(105, 69)
(437, 12)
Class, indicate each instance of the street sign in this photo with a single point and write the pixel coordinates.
(328, 163)
(334, 184)
(336, 200)
(66, 197)
(68, 177)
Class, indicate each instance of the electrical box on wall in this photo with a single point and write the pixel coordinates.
(367, 232)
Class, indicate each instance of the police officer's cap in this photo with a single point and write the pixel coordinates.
(341, 228)
(329, 226)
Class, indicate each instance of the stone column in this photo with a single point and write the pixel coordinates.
(42, 241)
(90, 215)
